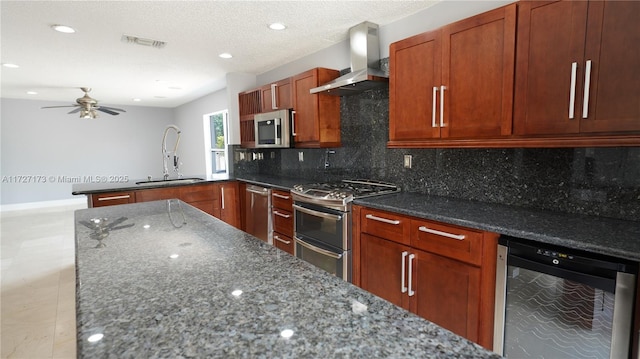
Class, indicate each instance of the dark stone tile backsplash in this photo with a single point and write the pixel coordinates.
(595, 181)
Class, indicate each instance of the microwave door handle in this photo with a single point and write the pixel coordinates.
(318, 250)
(276, 126)
(293, 123)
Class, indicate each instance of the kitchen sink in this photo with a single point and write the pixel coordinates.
(167, 182)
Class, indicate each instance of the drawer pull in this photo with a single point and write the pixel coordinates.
(280, 196)
(443, 234)
(383, 220)
(114, 197)
(281, 214)
(281, 240)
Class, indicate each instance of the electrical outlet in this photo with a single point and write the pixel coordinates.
(273, 155)
(300, 156)
(408, 159)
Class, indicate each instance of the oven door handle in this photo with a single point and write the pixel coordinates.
(317, 213)
(319, 250)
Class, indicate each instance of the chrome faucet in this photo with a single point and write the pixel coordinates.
(166, 155)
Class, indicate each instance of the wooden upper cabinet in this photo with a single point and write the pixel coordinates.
(277, 96)
(316, 119)
(249, 104)
(577, 67)
(455, 82)
(613, 47)
(415, 67)
(478, 64)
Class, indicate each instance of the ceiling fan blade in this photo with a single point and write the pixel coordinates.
(74, 111)
(59, 106)
(113, 108)
(107, 111)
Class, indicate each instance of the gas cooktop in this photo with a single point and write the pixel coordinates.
(345, 190)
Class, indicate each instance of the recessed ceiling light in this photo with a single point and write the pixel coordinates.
(31, 93)
(11, 66)
(277, 26)
(136, 100)
(63, 28)
(174, 88)
(159, 96)
(225, 55)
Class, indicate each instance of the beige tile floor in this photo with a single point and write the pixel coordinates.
(37, 283)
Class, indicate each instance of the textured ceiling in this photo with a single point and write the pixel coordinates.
(55, 65)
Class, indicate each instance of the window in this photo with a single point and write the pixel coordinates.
(216, 126)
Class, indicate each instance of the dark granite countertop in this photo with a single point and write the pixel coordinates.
(107, 184)
(607, 236)
(613, 237)
(165, 285)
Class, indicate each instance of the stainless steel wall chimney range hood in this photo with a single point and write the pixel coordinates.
(365, 64)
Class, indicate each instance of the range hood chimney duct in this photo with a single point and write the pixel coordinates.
(365, 64)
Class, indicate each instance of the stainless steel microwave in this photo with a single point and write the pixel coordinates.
(273, 129)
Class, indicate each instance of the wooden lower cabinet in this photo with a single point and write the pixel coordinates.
(220, 200)
(229, 203)
(454, 288)
(282, 216)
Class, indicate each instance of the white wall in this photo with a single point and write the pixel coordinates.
(188, 118)
(52, 144)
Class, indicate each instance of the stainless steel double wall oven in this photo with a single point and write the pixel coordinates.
(322, 221)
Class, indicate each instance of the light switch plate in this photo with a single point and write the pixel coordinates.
(408, 159)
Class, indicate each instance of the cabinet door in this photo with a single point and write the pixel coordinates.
(157, 194)
(613, 47)
(447, 292)
(382, 265)
(478, 57)
(316, 119)
(415, 70)
(280, 92)
(550, 60)
(229, 203)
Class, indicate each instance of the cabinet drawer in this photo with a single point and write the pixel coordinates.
(205, 192)
(385, 225)
(283, 242)
(450, 241)
(156, 194)
(112, 198)
(283, 221)
(281, 199)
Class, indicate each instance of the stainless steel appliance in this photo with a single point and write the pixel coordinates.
(258, 217)
(322, 221)
(273, 129)
(555, 302)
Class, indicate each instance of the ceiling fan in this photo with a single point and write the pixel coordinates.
(88, 106)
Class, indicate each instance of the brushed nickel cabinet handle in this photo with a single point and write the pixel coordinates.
(383, 220)
(114, 197)
(274, 105)
(280, 196)
(403, 284)
(440, 233)
(433, 109)
(572, 90)
(281, 214)
(281, 240)
(411, 292)
(587, 85)
(442, 88)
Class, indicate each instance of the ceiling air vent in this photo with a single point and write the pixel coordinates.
(142, 41)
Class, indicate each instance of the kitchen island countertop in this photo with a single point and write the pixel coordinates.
(167, 282)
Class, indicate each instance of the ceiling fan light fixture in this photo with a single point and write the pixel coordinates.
(130, 39)
(91, 114)
(225, 55)
(63, 28)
